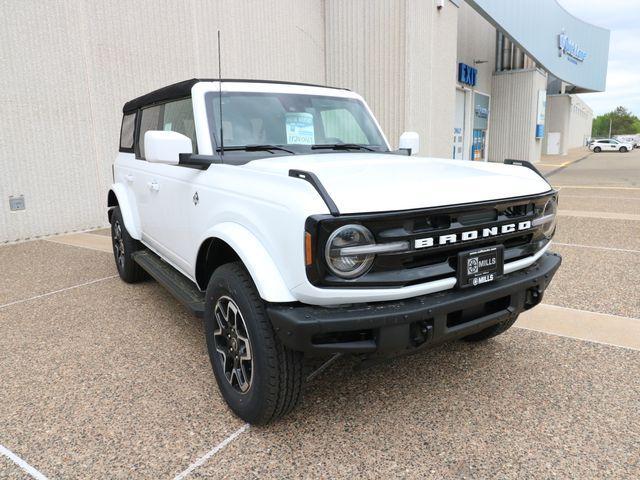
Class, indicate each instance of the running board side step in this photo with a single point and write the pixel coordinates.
(178, 285)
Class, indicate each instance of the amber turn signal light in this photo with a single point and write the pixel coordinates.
(308, 253)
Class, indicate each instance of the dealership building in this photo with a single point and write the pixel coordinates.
(480, 80)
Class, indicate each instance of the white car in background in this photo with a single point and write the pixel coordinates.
(610, 145)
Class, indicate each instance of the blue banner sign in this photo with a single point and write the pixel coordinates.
(467, 74)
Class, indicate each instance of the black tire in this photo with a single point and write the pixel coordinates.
(492, 331)
(623, 150)
(123, 247)
(597, 149)
(273, 377)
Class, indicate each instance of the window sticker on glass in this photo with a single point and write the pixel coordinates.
(300, 129)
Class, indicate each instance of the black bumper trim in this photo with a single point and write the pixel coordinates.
(385, 327)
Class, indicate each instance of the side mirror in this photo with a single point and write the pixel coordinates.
(165, 146)
(410, 141)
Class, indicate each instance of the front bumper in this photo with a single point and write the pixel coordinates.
(397, 327)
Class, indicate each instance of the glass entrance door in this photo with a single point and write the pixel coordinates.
(480, 126)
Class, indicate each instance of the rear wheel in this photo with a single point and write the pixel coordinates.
(259, 378)
(597, 149)
(492, 331)
(123, 247)
(623, 150)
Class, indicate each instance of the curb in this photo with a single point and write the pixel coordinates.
(559, 169)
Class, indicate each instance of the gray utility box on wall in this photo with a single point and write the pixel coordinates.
(16, 203)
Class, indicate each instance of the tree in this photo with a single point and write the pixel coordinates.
(623, 122)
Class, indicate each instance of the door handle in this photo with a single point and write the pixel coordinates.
(153, 186)
(129, 178)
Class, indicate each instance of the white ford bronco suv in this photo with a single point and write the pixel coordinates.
(278, 212)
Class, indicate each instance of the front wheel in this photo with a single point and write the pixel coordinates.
(123, 247)
(597, 149)
(260, 379)
(623, 150)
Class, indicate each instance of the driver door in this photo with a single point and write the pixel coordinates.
(169, 189)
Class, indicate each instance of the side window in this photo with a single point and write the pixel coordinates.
(126, 132)
(340, 126)
(151, 120)
(178, 117)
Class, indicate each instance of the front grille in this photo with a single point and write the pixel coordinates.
(436, 262)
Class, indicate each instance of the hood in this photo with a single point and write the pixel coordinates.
(366, 182)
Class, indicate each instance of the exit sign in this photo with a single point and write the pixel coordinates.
(467, 74)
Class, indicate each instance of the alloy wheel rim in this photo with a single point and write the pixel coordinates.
(232, 344)
(118, 244)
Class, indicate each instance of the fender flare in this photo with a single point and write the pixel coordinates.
(256, 259)
(128, 209)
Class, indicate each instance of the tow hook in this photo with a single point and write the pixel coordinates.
(533, 298)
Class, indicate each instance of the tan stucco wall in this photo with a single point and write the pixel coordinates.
(67, 68)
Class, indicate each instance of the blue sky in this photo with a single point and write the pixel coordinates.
(622, 17)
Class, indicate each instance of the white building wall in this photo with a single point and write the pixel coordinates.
(68, 67)
(580, 123)
(571, 117)
(400, 56)
(477, 43)
(557, 121)
(514, 108)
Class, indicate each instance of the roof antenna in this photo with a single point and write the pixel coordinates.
(220, 95)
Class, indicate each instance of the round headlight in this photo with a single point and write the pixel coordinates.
(338, 260)
(550, 211)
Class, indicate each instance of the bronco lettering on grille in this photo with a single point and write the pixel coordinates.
(471, 235)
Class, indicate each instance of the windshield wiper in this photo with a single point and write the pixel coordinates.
(342, 146)
(256, 148)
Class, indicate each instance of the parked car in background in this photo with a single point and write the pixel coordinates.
(610, 145)
(632, 139)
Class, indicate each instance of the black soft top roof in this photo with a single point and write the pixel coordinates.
(183, 89)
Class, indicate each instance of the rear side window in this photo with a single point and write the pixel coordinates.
(176, 116)
(151, 119)
(126, 132)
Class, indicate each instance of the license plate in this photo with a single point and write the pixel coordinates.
(477, 267)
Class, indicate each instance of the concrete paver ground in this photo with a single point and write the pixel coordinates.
(598, 203)
(109, 380)
(528, 405)
(108, 387)
(39, 267)
(596, 281)
(601, 232)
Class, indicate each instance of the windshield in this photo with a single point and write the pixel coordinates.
(298, 123)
